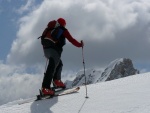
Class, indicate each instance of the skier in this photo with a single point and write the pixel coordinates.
(53, 40)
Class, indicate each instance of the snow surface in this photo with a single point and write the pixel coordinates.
(126, 95)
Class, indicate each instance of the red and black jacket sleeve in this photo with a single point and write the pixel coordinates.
(71, 39)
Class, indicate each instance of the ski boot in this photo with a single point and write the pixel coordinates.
(48, 91)
(59, 84)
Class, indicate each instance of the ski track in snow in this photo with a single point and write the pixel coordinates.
(125, 95)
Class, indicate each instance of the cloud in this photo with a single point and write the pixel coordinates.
(105, 26)
(18, 86)
(26, 7)
(16, 83)
(110, 29)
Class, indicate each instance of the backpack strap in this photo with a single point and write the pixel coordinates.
(45, 32)
(53, 33)
(51, 25)
(57, 32)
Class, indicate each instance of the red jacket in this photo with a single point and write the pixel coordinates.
(71, 39)
(66, 34)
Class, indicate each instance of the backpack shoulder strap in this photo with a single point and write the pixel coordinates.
(51, 25)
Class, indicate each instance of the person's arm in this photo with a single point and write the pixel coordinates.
(71, 39)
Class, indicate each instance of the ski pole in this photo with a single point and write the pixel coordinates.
(46, 66)
(84, 68)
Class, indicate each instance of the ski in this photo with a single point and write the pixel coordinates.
(68, 91)
(59, 92)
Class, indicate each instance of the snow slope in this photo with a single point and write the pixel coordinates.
(126, 95)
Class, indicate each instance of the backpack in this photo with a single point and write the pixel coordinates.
(55, 31)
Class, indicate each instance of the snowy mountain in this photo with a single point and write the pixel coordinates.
(116, 69)
(119, 68)
(126, 95)
(92, 76)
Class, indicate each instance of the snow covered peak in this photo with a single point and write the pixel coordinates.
(118, 68)
(115, 62)
(91, 77)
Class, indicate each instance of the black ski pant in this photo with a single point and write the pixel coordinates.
(54, 67)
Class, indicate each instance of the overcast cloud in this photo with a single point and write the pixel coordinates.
(110, 29)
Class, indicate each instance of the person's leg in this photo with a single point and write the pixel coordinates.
(49, 74)
(57, 74)
(54, 59)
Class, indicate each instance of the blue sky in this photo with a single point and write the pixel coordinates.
(6, 16)
(9, 16)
